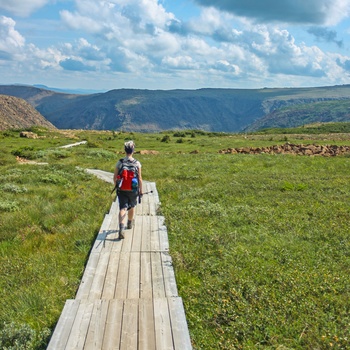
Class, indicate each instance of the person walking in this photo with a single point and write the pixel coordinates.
(128, 181)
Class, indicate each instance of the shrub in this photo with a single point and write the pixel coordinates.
(9, 206)
(166, 138)
(14, 188)
(22, 337)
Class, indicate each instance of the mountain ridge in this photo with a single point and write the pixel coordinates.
(208, 109)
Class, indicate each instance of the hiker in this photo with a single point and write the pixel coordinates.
(128, 182)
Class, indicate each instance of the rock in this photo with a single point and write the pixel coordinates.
(28, 134)
(308, 150)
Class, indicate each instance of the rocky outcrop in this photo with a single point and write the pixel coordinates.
(16, 113)
(289, 148)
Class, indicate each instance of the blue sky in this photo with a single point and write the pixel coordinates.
(175, 44)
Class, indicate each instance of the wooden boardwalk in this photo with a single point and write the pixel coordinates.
(127, 298)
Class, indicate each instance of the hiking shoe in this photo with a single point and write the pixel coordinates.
(130, 224)
(121, 233)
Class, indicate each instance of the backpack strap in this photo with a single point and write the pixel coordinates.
(121, 160)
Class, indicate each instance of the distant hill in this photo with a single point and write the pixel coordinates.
(219, 110)
(16, 113)
(309, 113)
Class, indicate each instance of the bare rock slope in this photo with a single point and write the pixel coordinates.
(16, 113)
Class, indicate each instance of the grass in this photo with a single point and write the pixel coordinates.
(260, 243)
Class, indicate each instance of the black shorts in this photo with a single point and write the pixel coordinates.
(127, 200)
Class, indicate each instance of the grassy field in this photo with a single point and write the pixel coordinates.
(260, 243)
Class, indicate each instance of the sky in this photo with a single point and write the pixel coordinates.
(102, 45)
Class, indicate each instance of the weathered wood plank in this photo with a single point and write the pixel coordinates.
(146, 234)
(129, 339)
(98, 245)
(94, 339)
(157, 276)
(64, 326)
(147, 339)
(134, 276)
(111, 276)
(86, 281)
(123, 276)
(168, 275)
(111, 339)
(154, 199)
(164, 339)
(137, 234)
(146, 288)
(99, 277)
(163, 235)
(81, 325)
(127, 241)
(179, 327)
(154, 239)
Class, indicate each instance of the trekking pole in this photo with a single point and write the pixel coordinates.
(140, 196)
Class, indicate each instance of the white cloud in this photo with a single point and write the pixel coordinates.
(22, 8)
(11, 41)
(179, 62)
(138, 41)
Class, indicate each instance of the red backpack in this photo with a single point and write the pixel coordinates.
(128, 175)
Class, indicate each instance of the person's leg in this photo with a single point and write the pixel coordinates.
(123, 205)
(131, 210)
(122, 217)
(131, 214)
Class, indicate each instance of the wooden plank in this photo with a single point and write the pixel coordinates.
(154, 239)
(146, 234)
(153, 199)
(81, 325)
(86, 281)
(64, 326)
(157, 276)
(137, 234)
(146, 288)
(123, 276)
(111, 276)
(181, 336)
(128, 339)
(163, 234)
(147, 339)
(127, 241)
(99, 277)
(168, 275)
(111, 339)
(112, 233)
(98, 245)
(94, 339)
(162, 323)
(134, 276)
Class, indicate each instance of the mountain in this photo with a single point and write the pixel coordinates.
(16, 113)
(220, 110)
(308, 113)
(68, 91)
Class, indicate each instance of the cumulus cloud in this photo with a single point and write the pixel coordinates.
(21, 7)
(138, 39)
(11, 41)
(288, 11)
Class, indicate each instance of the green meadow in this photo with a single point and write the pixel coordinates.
(260, 243)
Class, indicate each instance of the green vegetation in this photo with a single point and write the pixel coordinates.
(260, 243)
(318, 128)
